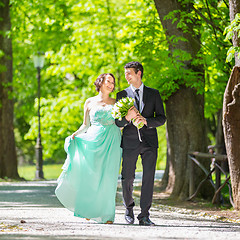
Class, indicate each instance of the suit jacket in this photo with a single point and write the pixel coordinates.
(152, 110)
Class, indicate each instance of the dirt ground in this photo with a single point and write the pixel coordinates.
(198, 206)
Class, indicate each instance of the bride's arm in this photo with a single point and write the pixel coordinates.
(86, 120)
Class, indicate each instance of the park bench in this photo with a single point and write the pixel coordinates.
(215, 160)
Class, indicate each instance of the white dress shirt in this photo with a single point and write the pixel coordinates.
(140, 96)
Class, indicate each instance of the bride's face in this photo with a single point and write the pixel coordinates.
(108, 84)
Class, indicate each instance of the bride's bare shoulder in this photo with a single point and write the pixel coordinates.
(89, 102)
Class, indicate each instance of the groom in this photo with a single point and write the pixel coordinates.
(149, 110)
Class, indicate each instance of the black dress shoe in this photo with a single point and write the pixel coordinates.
(145, 221)
(129, 216)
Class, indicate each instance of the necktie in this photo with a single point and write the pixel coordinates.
(137, 99)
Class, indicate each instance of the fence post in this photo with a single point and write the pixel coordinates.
(218, 182)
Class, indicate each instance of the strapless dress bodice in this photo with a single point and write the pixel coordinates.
(101, 115)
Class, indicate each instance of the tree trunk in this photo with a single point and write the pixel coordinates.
(185, 114)
(164, 181)
(185, 126)
(220, 143)
(234, 8)
(231, 124)
(8, 158)
(231, 115)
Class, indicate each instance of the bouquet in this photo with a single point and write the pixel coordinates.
(120, 110)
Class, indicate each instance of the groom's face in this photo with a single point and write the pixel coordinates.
(132, 77)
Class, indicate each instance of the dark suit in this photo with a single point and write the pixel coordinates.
(153, 111)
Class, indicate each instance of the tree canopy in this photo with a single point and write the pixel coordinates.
(81, 40)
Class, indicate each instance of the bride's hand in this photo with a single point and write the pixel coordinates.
(132, 113)
(73, 135)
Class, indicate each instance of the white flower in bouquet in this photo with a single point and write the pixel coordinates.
(121, 108)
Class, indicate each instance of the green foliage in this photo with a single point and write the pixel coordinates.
(162, 149)
(1, 53)
(230, 31)
(167, 70)
(59, 116)
(206, 22)
(82, 39)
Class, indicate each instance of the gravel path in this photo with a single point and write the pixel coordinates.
(30, 210)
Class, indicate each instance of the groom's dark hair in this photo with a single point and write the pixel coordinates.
(137, 66)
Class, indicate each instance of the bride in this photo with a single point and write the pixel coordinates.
(88, 183)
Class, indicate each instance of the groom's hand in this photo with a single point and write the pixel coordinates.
(132, 113)
(139, 118)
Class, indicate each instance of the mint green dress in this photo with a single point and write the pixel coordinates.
(88, 183)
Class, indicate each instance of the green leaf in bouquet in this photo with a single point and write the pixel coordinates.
(139, 125)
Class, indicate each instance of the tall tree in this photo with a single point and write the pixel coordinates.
(8, 159)
(185, 107)
(83, 39)
(89, 39)
(231, 106)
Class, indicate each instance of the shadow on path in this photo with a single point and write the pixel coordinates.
(29, 194)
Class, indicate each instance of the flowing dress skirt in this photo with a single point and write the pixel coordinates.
(88, 183)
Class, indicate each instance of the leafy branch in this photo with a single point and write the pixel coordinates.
(233, 30)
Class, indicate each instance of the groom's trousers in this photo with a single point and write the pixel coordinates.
(149, 158)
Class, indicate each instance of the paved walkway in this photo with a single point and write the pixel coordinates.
(30, 210)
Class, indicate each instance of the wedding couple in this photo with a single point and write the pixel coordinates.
(88, 183)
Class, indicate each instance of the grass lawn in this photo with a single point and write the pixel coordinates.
(50, 171)
(53, 171)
